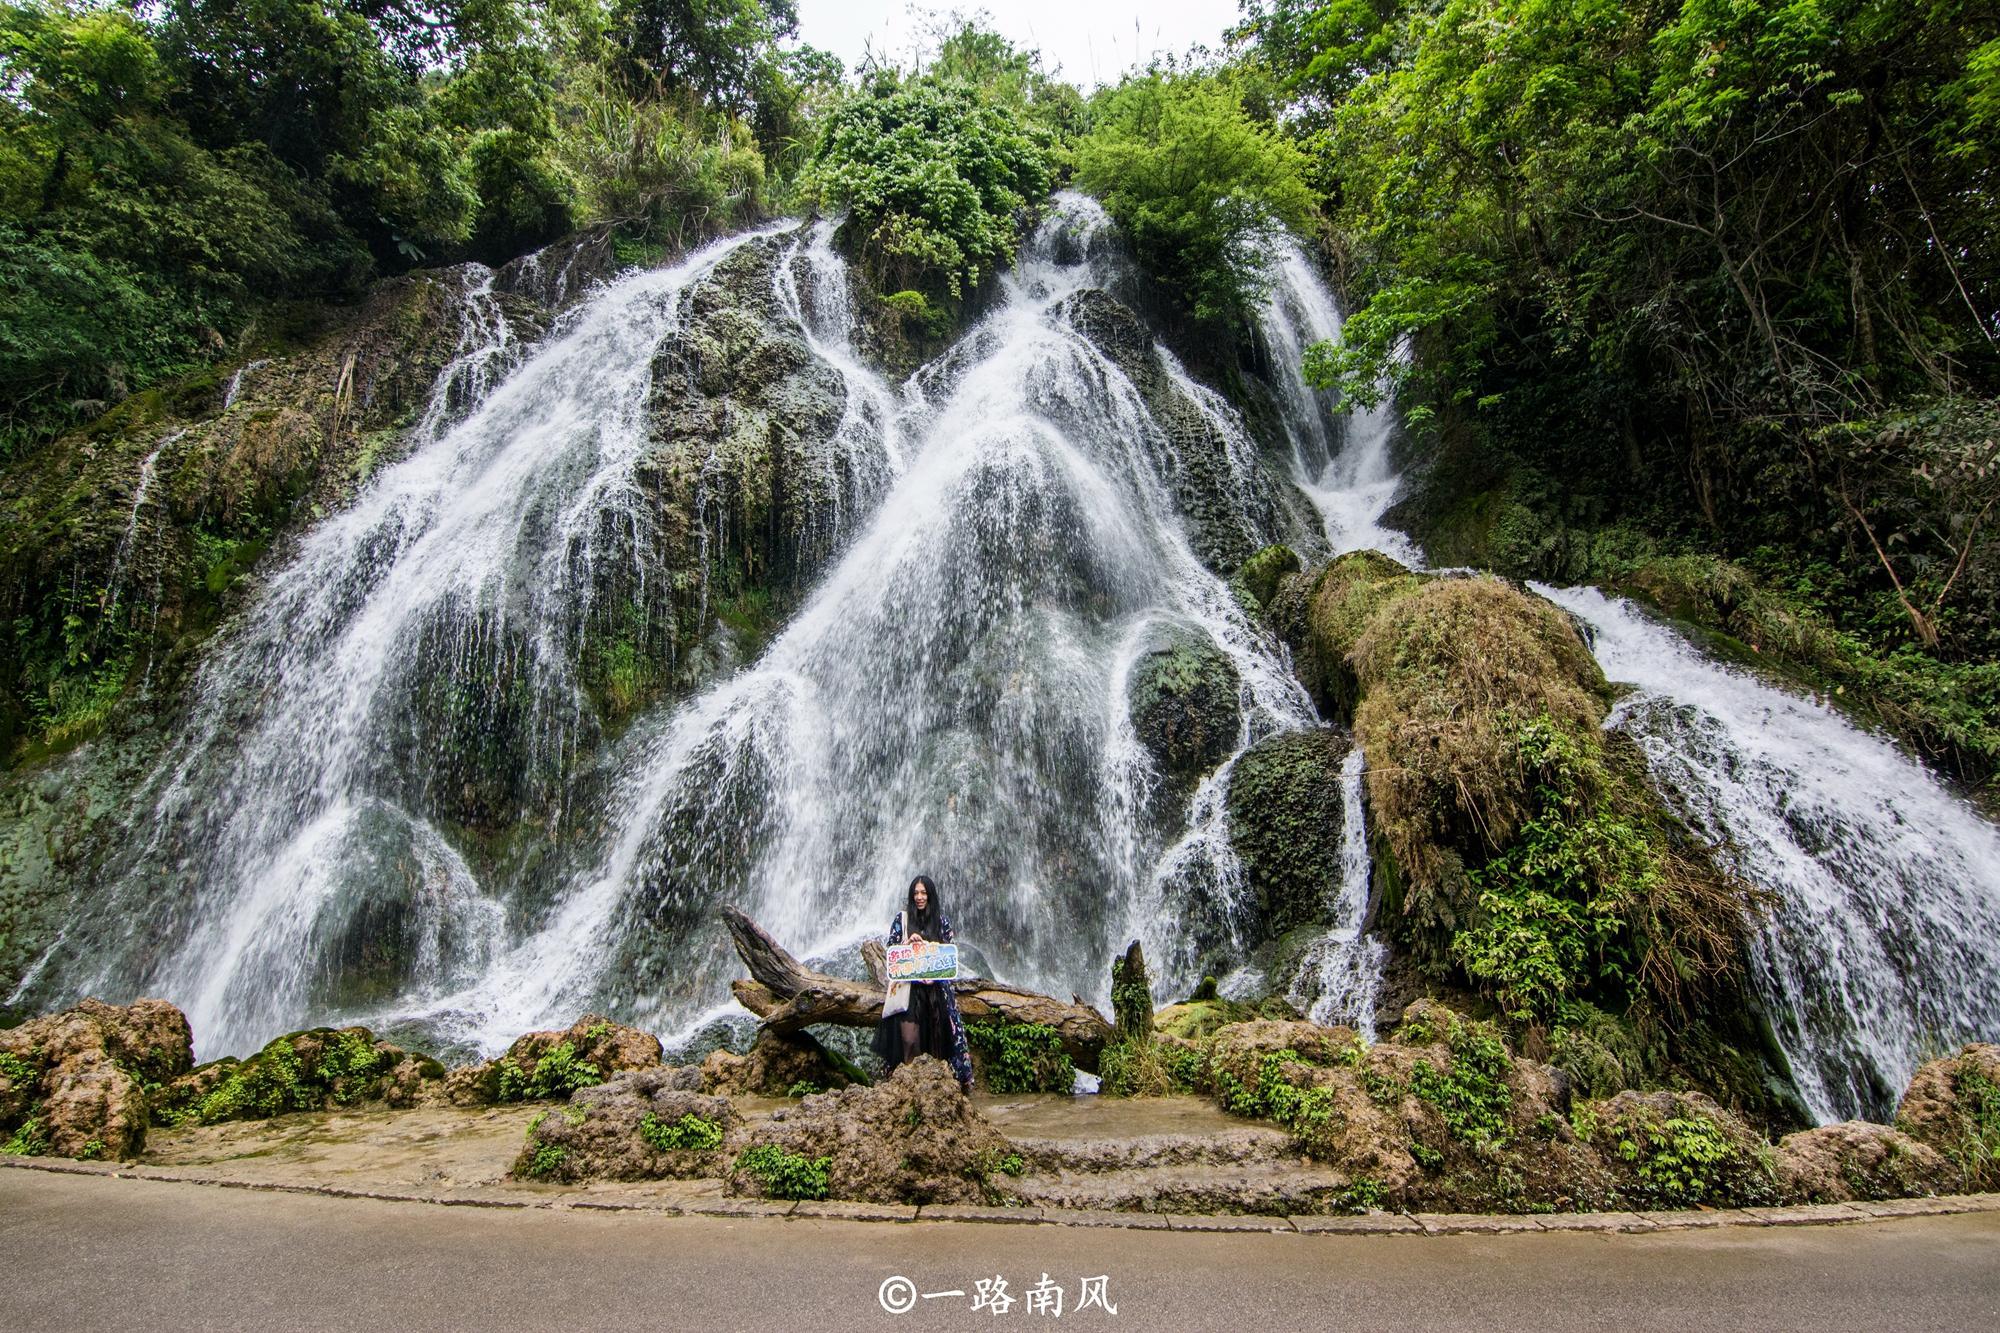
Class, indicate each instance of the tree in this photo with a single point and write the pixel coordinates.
(1194, 182)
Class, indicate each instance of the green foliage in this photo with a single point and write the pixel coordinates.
(1554, 902)
(1977, 1150)
(1678, 1159)
(1568, 260)
(1022, 1057)
(805, 1087)
(1194, 182)
(29, 1139)
(936, 174)
(19, 1071)
(557, 1073)
(341, 1067)
(689, 1133)
(164, 169)
(1471, 1095)
(784, 1174)
(547, 1159)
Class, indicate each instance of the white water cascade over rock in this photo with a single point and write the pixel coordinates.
(1883, 947)
(397, 795)
(950, 700)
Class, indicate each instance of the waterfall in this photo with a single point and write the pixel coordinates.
(122, 555)
(1342, 971)
(1341, 462)
(949, 700)
(1883, 948)
(441, 610)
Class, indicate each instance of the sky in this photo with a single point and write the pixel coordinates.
(1093, 41)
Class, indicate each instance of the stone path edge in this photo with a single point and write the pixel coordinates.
(1358, 1224)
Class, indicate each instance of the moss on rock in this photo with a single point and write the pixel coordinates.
(1286, 823)
(1184, 695)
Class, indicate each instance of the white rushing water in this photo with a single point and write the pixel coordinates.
(1342, 972)
(1883, 948)
(449, 592)
(1341, 461)
(950, 699)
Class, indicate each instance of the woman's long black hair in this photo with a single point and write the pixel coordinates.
(927, 922)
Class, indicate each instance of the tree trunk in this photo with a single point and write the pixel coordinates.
(788, 996)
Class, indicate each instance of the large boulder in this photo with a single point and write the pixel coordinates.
(913, 1138)
(74, 1084)
(1286, 820)
(775, 1064)
(1185, 700)
(1680, 1150)
(1953, 1107)
(1859, 1160)
(647, 1124)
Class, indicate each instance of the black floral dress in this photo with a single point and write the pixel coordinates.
(934, 1006)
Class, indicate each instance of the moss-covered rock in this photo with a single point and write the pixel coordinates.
(1257, 580)
(913, 1138)
(75, 1083)
(1858, 1160)
(1953, 1107)
(555, 1063)
(775, 1065)
(645, 1124)
(1680, 1150)
(1185, 700)
(314, 1070)
(1286, 820)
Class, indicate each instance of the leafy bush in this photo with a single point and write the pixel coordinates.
(935, 178)
(784, 1174)
(557, 1073)
(690, 1132)
(1022, 1057)
(1471, 1095)
(1195, 183)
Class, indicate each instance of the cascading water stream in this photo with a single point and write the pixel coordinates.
(1342, 971)
(951, 699)
(1342, 463)
(1883, 947)
(449, 590)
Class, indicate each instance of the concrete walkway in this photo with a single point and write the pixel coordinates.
(94, 1249)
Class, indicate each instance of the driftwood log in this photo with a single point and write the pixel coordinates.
(788, 996)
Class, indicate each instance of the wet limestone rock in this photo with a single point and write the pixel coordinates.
(1286, 820)
(646, 1124)
(1859, 1160)
(1185, 699)
(913, 1138)
(73, 1084)
(776, 1063)
(1201, 463)
(1952, 1106)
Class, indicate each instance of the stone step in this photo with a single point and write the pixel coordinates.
(1238, 1146)
(1294, 1186)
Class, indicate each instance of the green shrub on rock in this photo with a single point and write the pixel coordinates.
(784, 1175)
(1022, 1057)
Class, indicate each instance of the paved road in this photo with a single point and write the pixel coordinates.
(88, 1252)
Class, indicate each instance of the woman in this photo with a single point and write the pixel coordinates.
(929, 1024)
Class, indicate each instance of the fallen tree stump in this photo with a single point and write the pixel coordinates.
(789, 996)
